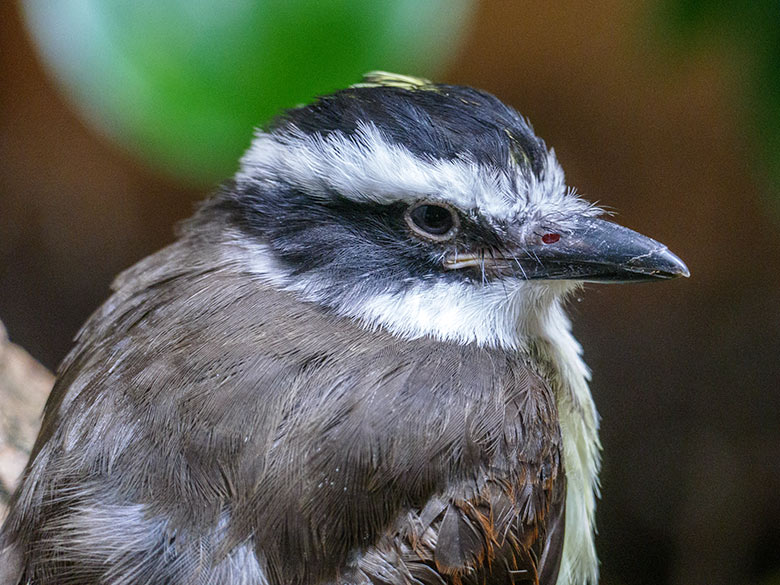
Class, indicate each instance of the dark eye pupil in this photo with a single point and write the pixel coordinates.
(433, 219)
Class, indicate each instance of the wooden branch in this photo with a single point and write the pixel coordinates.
(24, 387)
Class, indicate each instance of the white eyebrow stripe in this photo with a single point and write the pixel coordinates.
(366, 167)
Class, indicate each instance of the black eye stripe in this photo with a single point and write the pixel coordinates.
(433, 221)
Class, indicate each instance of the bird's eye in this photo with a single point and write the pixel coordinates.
(433, 221)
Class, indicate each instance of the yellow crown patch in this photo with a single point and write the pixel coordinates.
(386, 79)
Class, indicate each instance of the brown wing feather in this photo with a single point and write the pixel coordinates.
(552, 552)
(487, 539)
(503, 524)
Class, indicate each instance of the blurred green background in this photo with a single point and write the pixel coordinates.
(179, 82)
(118, 116)
(750, 33)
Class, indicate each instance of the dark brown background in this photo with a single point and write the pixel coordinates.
(686, 373)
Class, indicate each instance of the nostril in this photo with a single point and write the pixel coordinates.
(551, 238)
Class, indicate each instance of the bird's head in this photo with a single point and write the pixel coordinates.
(428, 209)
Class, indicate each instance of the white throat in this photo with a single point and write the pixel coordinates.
(505, 314)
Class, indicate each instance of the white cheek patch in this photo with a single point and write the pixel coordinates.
(496, 314)
(366, 167)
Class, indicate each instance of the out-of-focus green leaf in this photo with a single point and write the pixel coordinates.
(183, 82)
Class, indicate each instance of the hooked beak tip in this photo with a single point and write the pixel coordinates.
(663, 263)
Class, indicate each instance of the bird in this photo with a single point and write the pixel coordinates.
(353, 366)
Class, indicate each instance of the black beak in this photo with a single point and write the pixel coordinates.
(595, 250)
